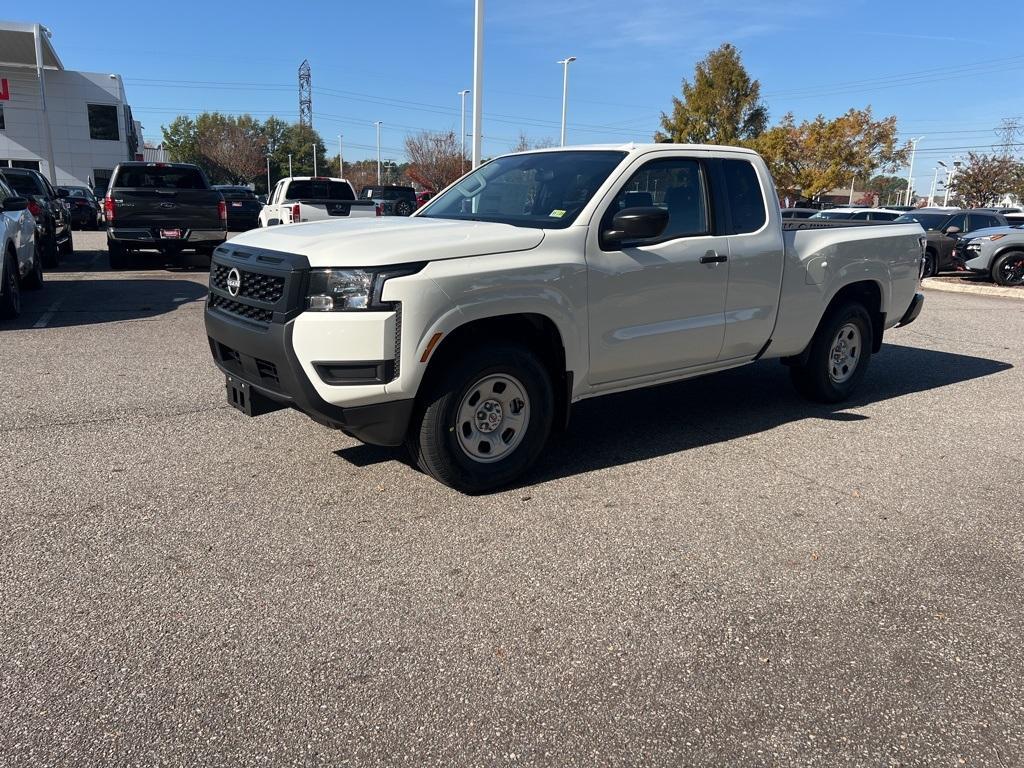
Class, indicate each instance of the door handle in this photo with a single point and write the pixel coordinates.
(712, 257)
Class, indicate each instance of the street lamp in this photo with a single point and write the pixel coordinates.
(949, 180)
(463, 95)
(378, 124)
(910, 174)
(341, 156)
(478, 79)
(565, 89)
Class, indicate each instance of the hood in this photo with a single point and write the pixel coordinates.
(385, 240)
(1008, 230)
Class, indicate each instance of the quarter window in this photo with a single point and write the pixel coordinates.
(676, 184)
(746, 201)
(103, 122)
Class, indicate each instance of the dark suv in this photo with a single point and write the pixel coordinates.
(943, 228)
(394, 201)
(53, 222)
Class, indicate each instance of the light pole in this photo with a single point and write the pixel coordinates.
(463, 95)
(341, 156)
(935, 181)
(289, 166)
(910, 174)
(268, 175)
(314, 158)
(852, 182)
(565, 89)
(478, 79)
(949, 180)
(378, 124)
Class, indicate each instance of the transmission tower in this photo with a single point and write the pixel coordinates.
(305, 95)
(1009, 133)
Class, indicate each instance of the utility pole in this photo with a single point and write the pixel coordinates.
(268, 175)
(910, 175)
(341, 156)
(852, 182)
(289, 166)
(478, 79)
(463, 95)
(565, 88)
(314, 158)
(378, 124)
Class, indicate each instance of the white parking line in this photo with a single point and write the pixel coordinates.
(48, 314)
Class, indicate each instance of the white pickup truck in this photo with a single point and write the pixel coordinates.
(312, 198)
(542, 278)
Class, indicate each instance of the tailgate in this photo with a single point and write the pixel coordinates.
(167, 208)
(314, 210)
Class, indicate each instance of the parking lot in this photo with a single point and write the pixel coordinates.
(708, 573)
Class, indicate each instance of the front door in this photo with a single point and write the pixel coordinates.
(658, 305)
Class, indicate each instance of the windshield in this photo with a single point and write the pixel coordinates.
(541, 189)
(832, 215)
(926, 220)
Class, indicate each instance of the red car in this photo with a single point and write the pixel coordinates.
(423, 197)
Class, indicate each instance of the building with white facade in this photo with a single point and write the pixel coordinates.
(74, 127)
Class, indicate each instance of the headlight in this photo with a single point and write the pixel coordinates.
(344, 290)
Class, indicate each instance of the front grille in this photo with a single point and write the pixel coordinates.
(240, 310)
(255, 285)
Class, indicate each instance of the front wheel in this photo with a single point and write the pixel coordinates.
(931, 265)
(1008, 269)
(34, 279)
(838, 357)
(69, 245)
(484, 420)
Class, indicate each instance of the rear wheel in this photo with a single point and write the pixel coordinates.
(10, 299)
(838, 357)
(117, 254)
(403, 208)
(50, 252)
(485, 418)
(931, 265)
(1008, 269)
(69, 245)
(34, 279)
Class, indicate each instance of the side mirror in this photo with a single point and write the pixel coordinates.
(15, 204)
(953, 230)
(637, 224)
(61, 192)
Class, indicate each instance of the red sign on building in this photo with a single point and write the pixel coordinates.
(5, 91)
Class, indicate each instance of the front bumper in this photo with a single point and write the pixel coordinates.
(257, 335)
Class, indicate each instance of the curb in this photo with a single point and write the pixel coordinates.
(1003, 292)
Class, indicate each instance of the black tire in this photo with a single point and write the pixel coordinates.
(1008, 268)
(33, 281)
(403, 208)
(10, 299)
(931, 264)
(69, 245)
(437, 448)
(51, 253)
(824, 379)
(117, 254)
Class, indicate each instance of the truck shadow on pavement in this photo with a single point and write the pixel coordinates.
(74, 302)
(633, 426)
(643, 424)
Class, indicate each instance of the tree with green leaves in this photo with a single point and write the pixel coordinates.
(820, 154)
(721, 106)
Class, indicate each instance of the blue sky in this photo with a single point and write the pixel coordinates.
(947, 73)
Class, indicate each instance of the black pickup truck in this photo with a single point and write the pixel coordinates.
(166, 207)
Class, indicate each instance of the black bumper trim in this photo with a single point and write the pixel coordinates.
(263, 360)
(912, 311)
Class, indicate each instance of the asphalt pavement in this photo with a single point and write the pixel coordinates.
(709, 573)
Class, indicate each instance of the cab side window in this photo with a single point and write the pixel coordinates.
(746, 201)
(676, 184)
(960, 220)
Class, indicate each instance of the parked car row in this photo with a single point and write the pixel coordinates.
(21, 263)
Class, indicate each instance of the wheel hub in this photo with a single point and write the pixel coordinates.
(489, 417)
(844, 354)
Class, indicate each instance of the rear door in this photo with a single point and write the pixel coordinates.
(658, 305)
(157, 196)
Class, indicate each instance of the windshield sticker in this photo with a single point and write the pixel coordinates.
(557, 213)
